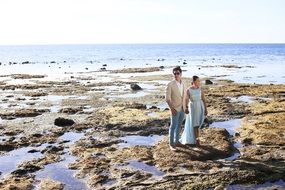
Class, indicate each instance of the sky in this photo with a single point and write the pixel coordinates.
(28, 22)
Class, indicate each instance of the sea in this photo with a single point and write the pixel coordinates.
(242, 63)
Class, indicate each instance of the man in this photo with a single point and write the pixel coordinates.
(174, 97)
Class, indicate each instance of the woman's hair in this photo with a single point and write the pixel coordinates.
(177, 69)
(194, 78)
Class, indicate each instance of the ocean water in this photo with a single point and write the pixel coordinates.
(260, 63)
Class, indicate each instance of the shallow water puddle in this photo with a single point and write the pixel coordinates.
(54, 108)
(231, 126)
(145, 167)
(4, 138)
(129, 95)
(162, 106)
(71, 137)
(88, 109)
(152, 114)
(9, 162)
(133, 140)
(245, 99)
(59, 172)
(267, 185)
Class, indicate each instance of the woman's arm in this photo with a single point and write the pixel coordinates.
(204, 101)
(186, 101)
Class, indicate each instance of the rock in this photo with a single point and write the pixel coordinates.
(52, 149)
(36, 94)
(208, 82)
(135, 87)
(37, 135)
(161, 67)
(7, 147)
(137, 70)
(220, 187)
(52, 62)
(135, 106)
(29, 168)
(26, 76)
(25, 62)
(103, 69)
(62, 122)
(247, 141)
(98, 179)
(48, 184)
(23, 113)
(33, 151)
(104, 65)
(72, 110)
(153, 108)
(184, 63)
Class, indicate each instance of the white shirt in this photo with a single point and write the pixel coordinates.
(180, 87)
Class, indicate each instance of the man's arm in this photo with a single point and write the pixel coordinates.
(168, 99)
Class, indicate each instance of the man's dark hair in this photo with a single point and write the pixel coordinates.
(177, 69)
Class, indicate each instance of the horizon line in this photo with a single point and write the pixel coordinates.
(151, 43)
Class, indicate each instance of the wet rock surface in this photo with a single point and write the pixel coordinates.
(78, 127)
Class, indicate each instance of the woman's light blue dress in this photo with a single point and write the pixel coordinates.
(195, 118)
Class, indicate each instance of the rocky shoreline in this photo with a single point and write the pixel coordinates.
(108, 135)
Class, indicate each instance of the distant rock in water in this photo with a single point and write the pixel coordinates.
(208, 82)
(25, 62)
(184, 63)
(161, 67)
(104, 65)
(161, 59)
(52, 62)
(103, 69)
(135, 87)
(62, 122)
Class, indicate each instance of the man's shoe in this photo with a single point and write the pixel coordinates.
(172, 148)
(179, 145)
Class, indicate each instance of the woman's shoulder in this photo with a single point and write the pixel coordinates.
(193, 88)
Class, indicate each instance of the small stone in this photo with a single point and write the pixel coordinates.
(135, 87)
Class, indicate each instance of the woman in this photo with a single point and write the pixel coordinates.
(196, 115)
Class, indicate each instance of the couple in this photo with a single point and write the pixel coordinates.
(177, 97)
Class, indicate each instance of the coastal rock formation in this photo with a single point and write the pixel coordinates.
(62, 122)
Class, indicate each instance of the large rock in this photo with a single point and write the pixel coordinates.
(135, 87)
(208, 82)
(62, 122)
